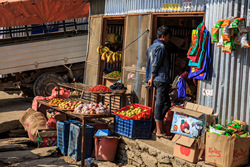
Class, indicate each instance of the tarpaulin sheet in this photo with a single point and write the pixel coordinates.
(27, 12)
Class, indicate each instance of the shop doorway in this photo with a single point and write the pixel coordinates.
(181, 28)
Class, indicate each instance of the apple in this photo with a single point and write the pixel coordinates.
(105, 106)
(96, 105)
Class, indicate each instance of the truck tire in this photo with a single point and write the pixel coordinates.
(45, 83)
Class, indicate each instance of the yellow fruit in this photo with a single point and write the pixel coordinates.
(99, 50)
(109, 58)
(114, 57)
(104, 56)
(120, 57)
(105, 49)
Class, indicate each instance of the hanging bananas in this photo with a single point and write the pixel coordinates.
(108, 55)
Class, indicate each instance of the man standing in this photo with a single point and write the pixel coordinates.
(157, 75)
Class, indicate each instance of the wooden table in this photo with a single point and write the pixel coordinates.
(83, 118)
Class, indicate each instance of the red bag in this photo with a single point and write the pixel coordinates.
(63, 93)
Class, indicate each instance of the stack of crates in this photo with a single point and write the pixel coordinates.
(75, 141)
(63, 135)
(139, 129)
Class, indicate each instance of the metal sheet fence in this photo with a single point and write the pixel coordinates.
(120, 7)
(230, 76)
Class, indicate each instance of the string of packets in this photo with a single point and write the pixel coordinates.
(233, 32)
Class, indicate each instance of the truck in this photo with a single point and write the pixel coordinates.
(42, 44)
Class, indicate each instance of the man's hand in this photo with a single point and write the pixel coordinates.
(150, 82)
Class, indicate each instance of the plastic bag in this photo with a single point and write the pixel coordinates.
(227, 22)
(218, 24)
(226, 34)
(234, 23)
(215, 35)
(51, 123)
(63, 93)
(227, 48)
(243, 41)
(242, 26)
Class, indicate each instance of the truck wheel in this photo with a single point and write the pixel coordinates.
(45, 83)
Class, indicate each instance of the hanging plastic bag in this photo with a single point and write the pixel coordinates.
(244, 41)
(227, 48)
(227, 22)
(63, 93)
(226, 34)
(215, 35)
(242, 26)
(218, 24)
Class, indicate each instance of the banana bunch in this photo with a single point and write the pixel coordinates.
(108, 55)
(101, 49)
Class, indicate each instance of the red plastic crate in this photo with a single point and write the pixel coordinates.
(141, 116)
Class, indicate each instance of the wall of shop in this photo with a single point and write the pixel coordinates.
(230, 73)
(114, 7)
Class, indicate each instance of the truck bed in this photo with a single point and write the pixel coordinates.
(36, 55)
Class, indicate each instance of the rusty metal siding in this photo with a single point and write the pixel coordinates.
(230, 76)
(120, 7)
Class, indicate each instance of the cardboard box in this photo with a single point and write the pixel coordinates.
(186, 148)
(226, 151)
(189, 121)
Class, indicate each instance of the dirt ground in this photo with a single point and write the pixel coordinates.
(12, 106)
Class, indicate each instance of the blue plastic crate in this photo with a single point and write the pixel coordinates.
(133, 128)
(63, 135)
(75, 141)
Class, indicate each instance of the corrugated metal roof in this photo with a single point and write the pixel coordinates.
(121, 7)
(230, 72)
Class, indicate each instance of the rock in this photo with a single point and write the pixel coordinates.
(18, 131)
(122, 146)
(164, 158)
(104, 164)
(52, 162)
(131, 143)
(152, 152)
(128, 166)
(138, 160)
(164, 165)
(143, 146)
(130, 154)
(149, 160)
(9, 125)
(11, 157)
(13, 147)
(18, 140)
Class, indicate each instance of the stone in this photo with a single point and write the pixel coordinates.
(164, 165)
(131, 143)
(143, 146)
(13, 147)
(52, 162)
(130, 154)
(123, 152)
(122, 146)
(106, 164)
(137, 153)
(149, 160)
(152, 151)
(164, 158)
(9, 125)
(18, 140)
(128, 166)
(11, 157)
(138, 160)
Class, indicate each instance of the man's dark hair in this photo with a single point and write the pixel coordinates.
(163, 30)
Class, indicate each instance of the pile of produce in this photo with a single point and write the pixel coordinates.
(108, 55)
(114, 75)
(117, 86)
(69, 105)
(92, 108)
(99, 89)
(55, 101)
(236, 128)
(133, 112)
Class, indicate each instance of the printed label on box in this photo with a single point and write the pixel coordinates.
(186, 125)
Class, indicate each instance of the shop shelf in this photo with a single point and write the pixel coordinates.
(63, 135)
(75, 141)
(133, 128)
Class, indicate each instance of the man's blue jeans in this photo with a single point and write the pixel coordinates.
(163, 102)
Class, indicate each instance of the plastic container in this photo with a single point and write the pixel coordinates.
(143, 115)
(75, 141)
(105, 148)
(63, 135)
(133, 128)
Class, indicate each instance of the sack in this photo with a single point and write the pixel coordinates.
(32, 121)
(63, 93)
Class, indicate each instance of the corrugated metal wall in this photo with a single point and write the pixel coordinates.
(230, 80)
(118, 7)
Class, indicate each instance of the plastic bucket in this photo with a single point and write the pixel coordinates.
(105, 148)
